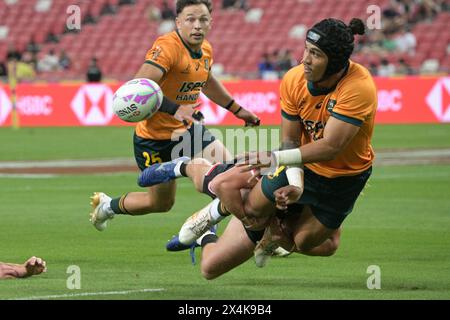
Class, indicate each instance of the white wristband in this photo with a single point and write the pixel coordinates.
(295, 176)
(288, 157)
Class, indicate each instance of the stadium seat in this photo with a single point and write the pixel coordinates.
(237, 44)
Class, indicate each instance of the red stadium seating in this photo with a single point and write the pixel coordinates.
(120, 41)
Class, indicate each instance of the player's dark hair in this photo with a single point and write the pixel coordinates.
(181, 4)
(336, 39)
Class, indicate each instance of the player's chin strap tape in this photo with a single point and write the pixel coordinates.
(168, 106)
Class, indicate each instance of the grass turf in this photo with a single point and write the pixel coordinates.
(400, 224)
(111, 142)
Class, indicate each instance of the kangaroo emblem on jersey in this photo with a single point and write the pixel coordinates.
(156, 53)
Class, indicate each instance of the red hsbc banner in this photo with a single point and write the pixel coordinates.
(413, 100)
(400, 100)
(260, 97)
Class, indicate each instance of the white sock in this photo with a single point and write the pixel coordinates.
(214, 211)
(176, 170)
(199, 240)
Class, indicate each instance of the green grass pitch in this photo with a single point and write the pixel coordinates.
(400, 224)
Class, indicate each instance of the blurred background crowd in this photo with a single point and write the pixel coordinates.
(252, 39)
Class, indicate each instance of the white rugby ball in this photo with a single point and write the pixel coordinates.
(137, 100)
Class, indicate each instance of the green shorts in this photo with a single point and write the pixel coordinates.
(192, 142)
(331, 199)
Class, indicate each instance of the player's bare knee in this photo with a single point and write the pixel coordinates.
(303, 246)
(330, 252)
(208, 271)
(209, 276)
(333, 247)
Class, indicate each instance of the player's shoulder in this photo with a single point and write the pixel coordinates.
(294, 76)
(357, 72)
(295, 72)
(207, 47)
(168, 40)
(358, 78)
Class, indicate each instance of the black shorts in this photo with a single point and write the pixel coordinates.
(192, 142)
(331, 199)
(212, 173)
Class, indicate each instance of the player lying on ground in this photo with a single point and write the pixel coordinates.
(31, 267)
(237, 190)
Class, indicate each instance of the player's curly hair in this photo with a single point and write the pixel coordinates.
(337, 41)
(181, 4)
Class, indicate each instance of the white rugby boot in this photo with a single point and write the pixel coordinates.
(102, 212)
(197, 224)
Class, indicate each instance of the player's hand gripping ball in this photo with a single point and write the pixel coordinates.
(137, 100)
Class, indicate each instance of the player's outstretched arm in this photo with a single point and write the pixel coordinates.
(32, 266)
(215, 91)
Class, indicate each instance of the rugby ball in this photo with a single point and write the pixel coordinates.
(137, 100)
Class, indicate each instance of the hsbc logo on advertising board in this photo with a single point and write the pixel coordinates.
(389, 100)
(438, 99)
(92, 104)
(257, 102)
(213, 115)
(5, 106)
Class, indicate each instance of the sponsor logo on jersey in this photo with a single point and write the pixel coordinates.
(192, 86)
(187, 97)
(314, 128)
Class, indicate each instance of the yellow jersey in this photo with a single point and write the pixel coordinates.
(185, 74)
(353, 100)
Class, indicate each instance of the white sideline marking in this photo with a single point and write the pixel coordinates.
(28, 175)
(88, 294)
(66, 163)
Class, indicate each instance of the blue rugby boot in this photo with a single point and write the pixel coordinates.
(174, 244)
(160, 172)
